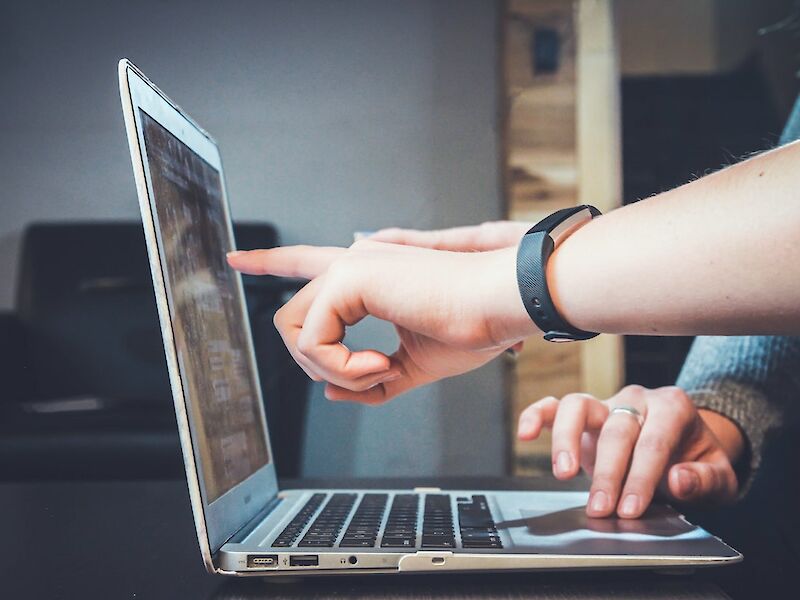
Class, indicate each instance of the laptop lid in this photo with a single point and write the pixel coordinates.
(204, 322)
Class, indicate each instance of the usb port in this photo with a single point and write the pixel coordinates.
(262, 561)
(304, 560)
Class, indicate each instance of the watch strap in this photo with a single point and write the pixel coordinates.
(534, 251)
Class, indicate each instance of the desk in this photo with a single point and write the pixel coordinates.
(81, 540)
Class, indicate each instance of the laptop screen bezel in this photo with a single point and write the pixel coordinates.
(218, 520)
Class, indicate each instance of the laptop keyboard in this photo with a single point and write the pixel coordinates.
(363, 529)
(326, 527)
(401, 526)
(475, 524)
(299, 522)
(437, 525)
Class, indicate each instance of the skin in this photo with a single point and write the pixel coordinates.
(715, 256)
(684, 454)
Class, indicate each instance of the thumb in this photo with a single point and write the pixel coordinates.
(706, 481)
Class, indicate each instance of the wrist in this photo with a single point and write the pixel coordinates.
(504, 313)
(727, 432)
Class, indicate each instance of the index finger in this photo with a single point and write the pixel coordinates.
(305, 262)
(488, 236)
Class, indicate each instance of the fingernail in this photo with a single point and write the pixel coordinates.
(563, 462)
(630, 505)
(234, 253)
(687, 481)
(599, 501)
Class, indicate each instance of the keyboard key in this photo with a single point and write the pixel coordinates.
(348, 543)
(306, 543)
(398, 542)
(474, 544)
(437, 542)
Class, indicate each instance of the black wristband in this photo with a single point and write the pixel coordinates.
(534, 251)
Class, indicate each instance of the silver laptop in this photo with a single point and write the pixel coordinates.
(245, 524)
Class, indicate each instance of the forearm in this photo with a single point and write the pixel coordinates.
(719, 255)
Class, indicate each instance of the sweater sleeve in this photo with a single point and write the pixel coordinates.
(752, 380)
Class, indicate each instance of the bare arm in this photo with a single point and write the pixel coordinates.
(719, 255)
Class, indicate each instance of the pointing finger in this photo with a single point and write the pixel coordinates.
(305, 262)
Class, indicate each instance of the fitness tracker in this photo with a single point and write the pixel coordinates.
(534, 251)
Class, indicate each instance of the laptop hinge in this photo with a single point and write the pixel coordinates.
(250, 526)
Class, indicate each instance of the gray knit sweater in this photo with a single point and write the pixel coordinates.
(754, 381)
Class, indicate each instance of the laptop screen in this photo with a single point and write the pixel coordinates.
(206, 310)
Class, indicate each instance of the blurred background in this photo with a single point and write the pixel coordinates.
(332, 118)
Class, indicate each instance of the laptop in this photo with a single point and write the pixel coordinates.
(246, 524)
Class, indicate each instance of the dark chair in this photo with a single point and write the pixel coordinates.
(86, 392)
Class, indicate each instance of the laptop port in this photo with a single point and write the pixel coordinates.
(262, 561)
(304, 560)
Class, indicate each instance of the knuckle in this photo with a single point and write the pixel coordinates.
(680, 404)
(304, 345)
(363, 245)
(545, 401)
(339, 267)
(635, 390)
(576, 400)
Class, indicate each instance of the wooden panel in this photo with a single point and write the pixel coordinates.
(600, 163)
(540, 126)
(542, 176)
(548, 142)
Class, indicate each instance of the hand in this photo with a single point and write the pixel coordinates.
(684, 453)
(453, 312)
(492, 235)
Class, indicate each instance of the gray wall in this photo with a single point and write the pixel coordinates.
(332, 116)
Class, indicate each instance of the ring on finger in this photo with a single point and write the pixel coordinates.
(630, 411)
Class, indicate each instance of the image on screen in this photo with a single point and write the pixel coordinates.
(206, 312)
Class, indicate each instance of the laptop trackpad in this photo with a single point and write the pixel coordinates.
(553, 522)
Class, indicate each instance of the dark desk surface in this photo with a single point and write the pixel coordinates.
(136, 540)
